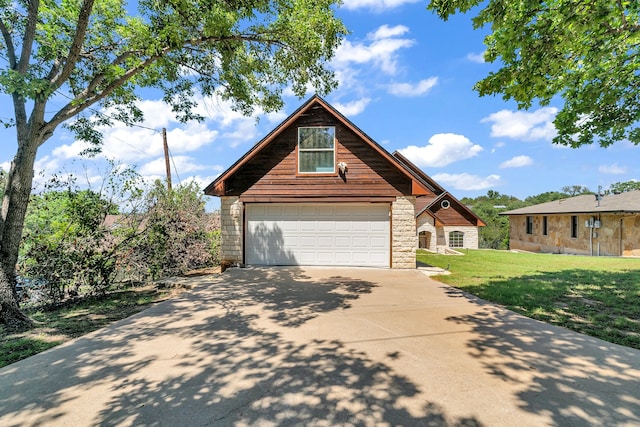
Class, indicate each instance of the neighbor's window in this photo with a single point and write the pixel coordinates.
(316, 150)
(545, 226)
(456, 239)
(574, 226)
(529, 225)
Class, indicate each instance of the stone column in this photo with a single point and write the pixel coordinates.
(232, 220)
(404, 239)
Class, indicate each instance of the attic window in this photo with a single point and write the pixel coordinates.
(316, 150)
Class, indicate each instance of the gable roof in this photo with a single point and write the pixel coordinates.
(425, 203)
(216, 188)
(587, 203)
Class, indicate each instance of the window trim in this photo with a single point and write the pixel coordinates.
(545, 225)
(307, 150)
(574, 226)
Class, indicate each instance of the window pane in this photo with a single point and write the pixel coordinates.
(456, 239)
(310, 138)
(316, 161)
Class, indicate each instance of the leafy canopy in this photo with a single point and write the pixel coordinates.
(97, 51)
(586, 51)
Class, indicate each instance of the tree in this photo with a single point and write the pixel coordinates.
(98, 54)
(621, 187)
(575, 190)
(548, 196)
(68, 246)
(176, 238)
(585, 51)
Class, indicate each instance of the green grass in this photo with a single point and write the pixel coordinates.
(53, 327)
(596, 296)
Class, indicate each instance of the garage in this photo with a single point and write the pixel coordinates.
(341, 234)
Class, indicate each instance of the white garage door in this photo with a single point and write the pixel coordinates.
(317, 234)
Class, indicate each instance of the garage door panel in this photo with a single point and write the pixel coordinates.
(311, 234)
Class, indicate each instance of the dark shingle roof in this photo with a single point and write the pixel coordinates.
(624, 202)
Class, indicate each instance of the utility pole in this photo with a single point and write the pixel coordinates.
(166, 157)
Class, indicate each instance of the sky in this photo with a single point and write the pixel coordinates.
(406, 79)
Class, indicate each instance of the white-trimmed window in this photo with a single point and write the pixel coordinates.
(316, 149)
(529, 225)
(456, 239)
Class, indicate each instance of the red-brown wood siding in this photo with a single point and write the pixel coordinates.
(273, 171)
(453, 215)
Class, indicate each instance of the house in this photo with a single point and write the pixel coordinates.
(442, 221)
(318, 191)
(586, 225)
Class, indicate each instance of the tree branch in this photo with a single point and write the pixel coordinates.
(89, 96)
(11, 51)
(76, 44)
(29, 36)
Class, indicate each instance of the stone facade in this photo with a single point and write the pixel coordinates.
(404, 239)
(617, 234)
(436, 238)
(231, 212)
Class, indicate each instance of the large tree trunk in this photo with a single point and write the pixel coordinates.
(14, 209)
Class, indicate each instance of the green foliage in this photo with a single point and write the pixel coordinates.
(67, 247)
(575, 190)
(621, 187)
(592, 295)
(584, 51)
(97, 52)
(177, 235)
(495, 234)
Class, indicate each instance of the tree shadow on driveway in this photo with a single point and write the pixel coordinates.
(217, 355)
(576, 379)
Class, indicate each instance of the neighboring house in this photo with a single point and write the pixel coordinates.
(586, 225)
(318, 191)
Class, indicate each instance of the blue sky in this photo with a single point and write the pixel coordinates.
(406, 80)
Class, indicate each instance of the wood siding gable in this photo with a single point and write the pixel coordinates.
(269, 171)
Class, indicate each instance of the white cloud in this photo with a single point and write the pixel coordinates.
(613, 169)
(409, 90)
(478, 58)
(376, 5)
(527, 126)
(517, 162)
(352, 108)
(442, 150)
(468, 182)
(381, 51)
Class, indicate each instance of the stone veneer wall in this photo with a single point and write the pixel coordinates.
(470, 240)
(404, 237)
(232, 219)
(618, 235)
(426, 223)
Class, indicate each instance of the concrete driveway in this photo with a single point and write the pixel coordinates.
(318, 346)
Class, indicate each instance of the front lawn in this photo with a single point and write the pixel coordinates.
(596, 296)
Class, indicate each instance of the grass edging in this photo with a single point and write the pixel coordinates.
(596, 296)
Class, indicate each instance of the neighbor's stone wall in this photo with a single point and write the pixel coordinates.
(618, 235)
(404, 238)
(232, 219)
